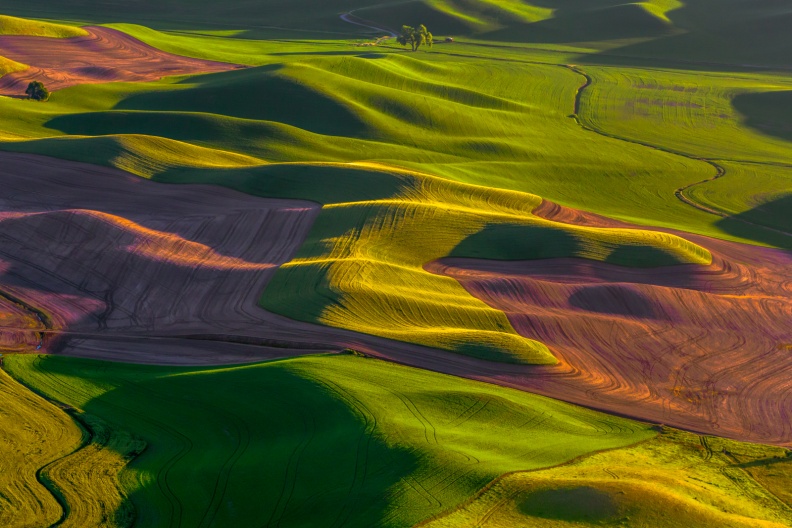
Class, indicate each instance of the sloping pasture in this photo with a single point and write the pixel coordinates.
(335, 441)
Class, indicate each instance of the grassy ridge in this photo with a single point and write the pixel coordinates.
(725, 31)
(687, 112)
(724, 118)
(678, 479)
(8, 66)
(340, 440)
(362, 265)
(511, 134)
(36, 28)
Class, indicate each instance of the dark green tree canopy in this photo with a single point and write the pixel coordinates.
(415, 37)
(36, 90)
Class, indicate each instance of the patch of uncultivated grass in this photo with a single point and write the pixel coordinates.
(8, 66)
(298, 442)
(34, 434)
(37, 28)
(678, 479)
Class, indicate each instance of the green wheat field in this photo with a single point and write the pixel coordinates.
(262, 264)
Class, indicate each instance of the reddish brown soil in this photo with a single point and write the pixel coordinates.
(703, 348)
(104, 55)
(131, 270)
(115, 259)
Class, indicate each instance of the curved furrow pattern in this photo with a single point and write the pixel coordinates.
(104, 55)
(703, 347)
(622, 335)
(156, 259)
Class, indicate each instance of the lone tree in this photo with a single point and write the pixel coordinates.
(37, 91)
(415, 37)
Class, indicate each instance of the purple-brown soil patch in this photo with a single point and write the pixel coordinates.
(705, 348)
(104, 55)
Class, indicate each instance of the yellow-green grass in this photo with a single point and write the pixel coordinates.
(361, 267)
(314, 441)
(53, 471)
(443, 116)
(727, 31)
(9, 66)
(691, 112)
(675, 480)
(729, 119)
(47, 436)
(10, 25)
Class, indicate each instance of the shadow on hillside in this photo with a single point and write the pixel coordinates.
(614, 299)
(766, 223)
(764, 462)
(533, 242)
(267, 93)
(713, 35)
(306, 445)
(580, 504)
(767, 112)
(594, 21)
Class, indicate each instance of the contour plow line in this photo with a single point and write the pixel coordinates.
(341, 248)
(77, 462)
(706, 342)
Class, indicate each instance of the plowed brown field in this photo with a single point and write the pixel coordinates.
(97, 263)
(104, 55)
(705, 348)
(106, 255)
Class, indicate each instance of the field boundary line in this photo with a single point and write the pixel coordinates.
(720, 170)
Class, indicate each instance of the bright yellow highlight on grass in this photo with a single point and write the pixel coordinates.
(9, 66)
(36, 28)
(49, 457)
(373, 275)
(661, 482)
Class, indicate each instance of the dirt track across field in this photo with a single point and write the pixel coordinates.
(97, 263)
(104, 55)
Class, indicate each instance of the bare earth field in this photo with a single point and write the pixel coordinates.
(100, 254)
(689, 344)
(104, 55)
(121, 268)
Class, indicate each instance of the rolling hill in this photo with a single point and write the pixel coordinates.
(566, 232)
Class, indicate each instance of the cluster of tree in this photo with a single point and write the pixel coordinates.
(415, 37)
(37, 91)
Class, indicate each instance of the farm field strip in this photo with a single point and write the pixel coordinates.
(443, 211)
(705, 344)
(154, 240)
(692, 485)
(57, 471)
(102, 55)
(397, 456)
(694, 107)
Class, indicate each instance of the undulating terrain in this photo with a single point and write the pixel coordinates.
(261, 265)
